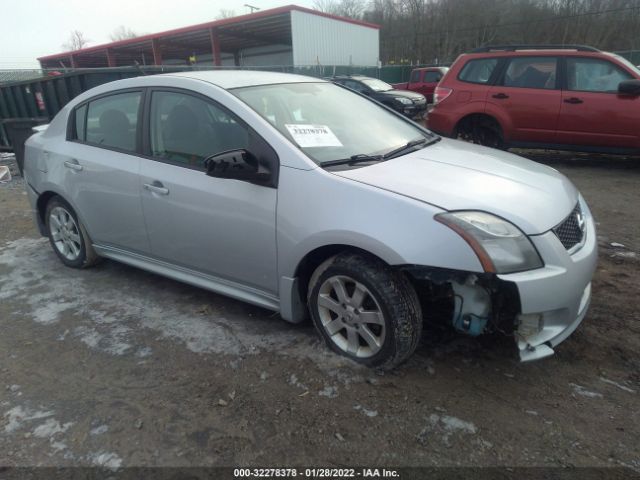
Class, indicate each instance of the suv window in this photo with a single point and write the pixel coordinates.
(594, 75)
(432, 77)
(112, 121)
(415, 76)
(531, 72)
(186, 129)
(478, 70)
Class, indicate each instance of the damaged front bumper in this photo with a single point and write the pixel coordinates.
(554, 299)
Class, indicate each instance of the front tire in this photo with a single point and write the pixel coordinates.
(67, 235)
(365, 310)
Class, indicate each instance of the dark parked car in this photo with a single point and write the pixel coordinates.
(405, 102)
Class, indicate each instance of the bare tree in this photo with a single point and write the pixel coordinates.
(77, 40)
(326, 6)
(122, 33)
(423, 31)
(344, 8)
(225, 13)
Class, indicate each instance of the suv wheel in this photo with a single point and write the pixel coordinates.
(365, 310)
(67, 236)
(481, 131)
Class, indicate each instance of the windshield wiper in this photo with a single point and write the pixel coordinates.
(353, 159)
(408, 146)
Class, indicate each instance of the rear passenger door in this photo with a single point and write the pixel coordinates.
(527, 95)
(592, 112)
(220, 227)
(100, 164)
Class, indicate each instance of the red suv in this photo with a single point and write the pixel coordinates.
(560, 97)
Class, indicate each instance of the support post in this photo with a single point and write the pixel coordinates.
(111, 59)
(157, 53)
(215, 46)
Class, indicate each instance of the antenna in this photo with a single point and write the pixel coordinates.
(251, 7)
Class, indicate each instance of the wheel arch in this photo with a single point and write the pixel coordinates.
(479, 116)
(41, 207)
(293, 289)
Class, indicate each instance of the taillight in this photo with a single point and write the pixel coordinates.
(440, 94)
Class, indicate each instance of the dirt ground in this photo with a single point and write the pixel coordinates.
(117, 367)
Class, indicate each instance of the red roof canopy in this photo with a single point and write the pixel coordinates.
(202, 28)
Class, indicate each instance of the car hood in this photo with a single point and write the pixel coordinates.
(413, 96)
(455, 175)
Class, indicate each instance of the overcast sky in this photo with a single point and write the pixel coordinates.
(33, 28)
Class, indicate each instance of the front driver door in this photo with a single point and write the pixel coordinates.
(592, 112)
(221, 227)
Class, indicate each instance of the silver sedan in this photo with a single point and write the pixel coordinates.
(303, 197)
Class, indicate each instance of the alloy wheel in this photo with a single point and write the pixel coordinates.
(351, 316)
(65, 233)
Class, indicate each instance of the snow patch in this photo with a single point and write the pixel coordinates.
(580, 390)
(444, 427)
(105, 459)
(294, 382)
(50, 428)
(329, 391)
(615, 384)
(367, 412)
(112, 304)
(99, 430)
(18, 415)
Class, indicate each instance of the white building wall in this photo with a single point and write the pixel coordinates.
(332, 42)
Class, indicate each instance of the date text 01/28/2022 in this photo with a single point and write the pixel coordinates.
(326, 473)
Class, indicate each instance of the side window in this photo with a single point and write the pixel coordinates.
(112, 121)
(531, 72)
(186, 129)
(594, 75)
(478, 71)
(80, 123)
(415, 76)
(432, 77)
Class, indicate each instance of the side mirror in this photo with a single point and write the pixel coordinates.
(237, 165)
(629, 87)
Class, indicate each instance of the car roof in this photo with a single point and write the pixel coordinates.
(429, 69)
(353, 77)
(228, 79)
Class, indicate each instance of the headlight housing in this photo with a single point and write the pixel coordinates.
(500, 246)
(404, 101)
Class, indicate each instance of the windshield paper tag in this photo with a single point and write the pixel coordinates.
(313, 136)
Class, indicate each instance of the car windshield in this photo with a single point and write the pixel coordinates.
(328, 122)
(377, 85)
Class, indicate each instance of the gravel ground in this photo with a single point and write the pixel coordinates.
(117, 367)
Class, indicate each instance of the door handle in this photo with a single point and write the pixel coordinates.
(500, 96)
(156, 187)
(73, 165)
(573, 100)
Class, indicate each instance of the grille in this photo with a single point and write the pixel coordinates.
(570, 232)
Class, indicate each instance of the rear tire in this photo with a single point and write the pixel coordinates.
(365, 310)
(67, 235)
(482, 130)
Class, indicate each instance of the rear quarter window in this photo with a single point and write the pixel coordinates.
(478, 70)
(80, 117)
